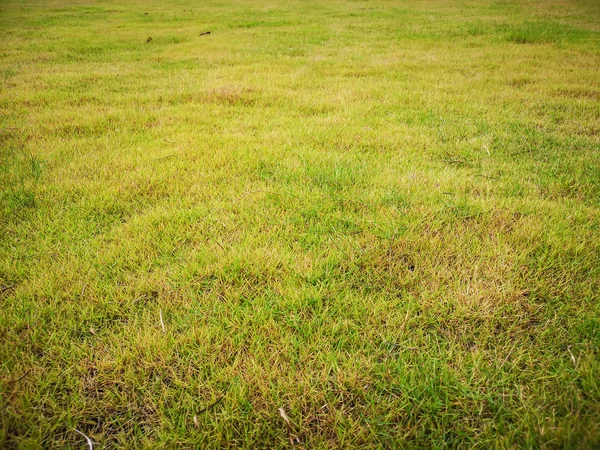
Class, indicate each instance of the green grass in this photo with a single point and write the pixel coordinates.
(380, 216)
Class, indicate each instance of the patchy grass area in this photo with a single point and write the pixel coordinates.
(382, 217)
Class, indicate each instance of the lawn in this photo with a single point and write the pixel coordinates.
(326, 224)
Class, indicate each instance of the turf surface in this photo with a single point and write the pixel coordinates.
(332, 224)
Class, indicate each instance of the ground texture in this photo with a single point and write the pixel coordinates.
(324, 224)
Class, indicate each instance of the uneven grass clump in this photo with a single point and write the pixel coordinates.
(334, 224)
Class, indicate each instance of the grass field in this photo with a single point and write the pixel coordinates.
(326, 224)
